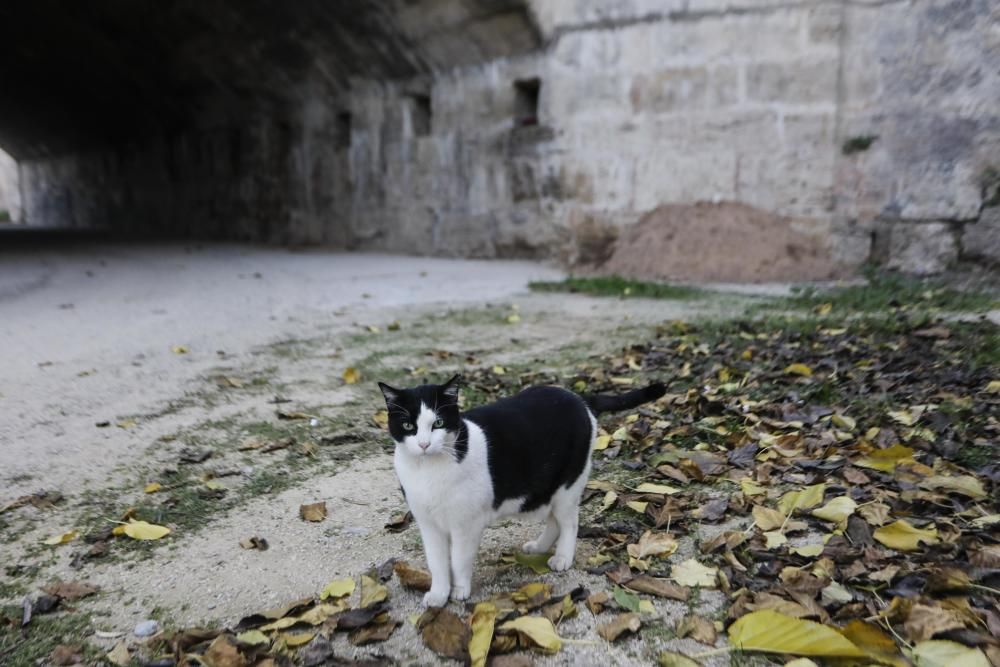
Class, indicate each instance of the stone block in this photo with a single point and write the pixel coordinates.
(981, 239)
(793, 82)
(674, 89)
(922, 248)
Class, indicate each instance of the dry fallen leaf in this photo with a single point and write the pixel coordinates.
(223, 653)
(337, 589)
(313, 511)
(152, 487)
(351, 375)
(837, 510)
(140, 530)
(119, 655)
(618, 626)
(698, 628)
(942, 653)
(902, 536)
(535, 632)
(809, 497)
(771, 632)
(445, 633)
(482, 622)
(653, 544)
(693, 573)
(799, 369)
(372, 592)
(767, 518)
(62, 538)
(258, 543)
(71, 590)
(671, 659)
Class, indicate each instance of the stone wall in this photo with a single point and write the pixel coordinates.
(10, 194)
(871, 126)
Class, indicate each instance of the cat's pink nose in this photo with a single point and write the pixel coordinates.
(424, 445)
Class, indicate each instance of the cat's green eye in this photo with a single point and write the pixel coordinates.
(439, 423)
(407, 426)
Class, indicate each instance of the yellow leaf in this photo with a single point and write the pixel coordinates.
(802, 500)
(499, 370)
(637, 506)
(214, 485)
(68, 536)
(298, 638)
(179, 349)
(609, 499)
(823, 308)
(253, 637)
(751, 488)
(647, 487)
(653, 544)
(153, 487)
(844, 422)
(483, 619)
(767, 518)
(771, 632)
(807, 550)
(513, 318)
(886, 460)
(775, 539)
(620, 434)
(602, 442)
(967, 485)
(394, 326)
(671, 659)
(799, 369)
(943, 653)
(693, 573)
(119, 655)
(372, 328)
(837, 510)
(539, 630)
(876, 644)
(337, 589)
(993, 387)
(140, 530)
(381, 418)
(902, 536)
(351, 375)
(372, 592)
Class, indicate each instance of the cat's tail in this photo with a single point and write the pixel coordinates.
(599, 403)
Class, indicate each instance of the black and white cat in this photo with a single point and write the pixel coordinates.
(527, 454)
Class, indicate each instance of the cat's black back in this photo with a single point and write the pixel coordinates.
(537, 441)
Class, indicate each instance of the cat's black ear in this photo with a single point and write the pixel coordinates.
(450, 388)
(391, 394)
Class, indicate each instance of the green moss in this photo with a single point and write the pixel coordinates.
(619, 287)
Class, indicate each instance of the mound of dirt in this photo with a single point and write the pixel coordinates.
(726, 242)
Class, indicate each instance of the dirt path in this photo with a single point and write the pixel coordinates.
(256, 326)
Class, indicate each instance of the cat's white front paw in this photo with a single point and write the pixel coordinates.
(560, 563)
(533, 547)
(435, 598)
(461, 592)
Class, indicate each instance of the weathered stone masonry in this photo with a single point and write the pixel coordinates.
(538, 129)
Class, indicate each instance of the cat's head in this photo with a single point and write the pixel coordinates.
(424, 420)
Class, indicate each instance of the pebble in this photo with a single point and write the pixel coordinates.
(146, 628)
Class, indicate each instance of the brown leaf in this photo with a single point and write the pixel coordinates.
(597, 601)
(514, 660)
(119, 655)
(313, 511)
(711, 511)
(659, 587)
(986, 556)
(223, 653)
(66, 655)
(353, 619)
(258, 543)
(698, 628)
(71, 590)
(925, 621)
(376, 632)
(445, 633)
(621, 624)
(399, 522)
(412, 577)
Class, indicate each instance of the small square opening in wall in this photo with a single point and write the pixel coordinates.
(420, 114)
(342, 130)
(526, 101)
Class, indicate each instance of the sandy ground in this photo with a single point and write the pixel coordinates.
(87, 335)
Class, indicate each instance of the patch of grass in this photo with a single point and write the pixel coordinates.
(887, 291)
(42, 635)
(620, 287)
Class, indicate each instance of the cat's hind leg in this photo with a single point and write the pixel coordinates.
(566, 510)
(546, 539)
(464, 547)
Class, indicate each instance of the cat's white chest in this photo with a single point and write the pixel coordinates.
(444, 491)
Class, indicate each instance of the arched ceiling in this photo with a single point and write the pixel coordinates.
(76, 76)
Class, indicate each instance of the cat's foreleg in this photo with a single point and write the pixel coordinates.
(436, 550)
(545, 540)
(464, 547)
